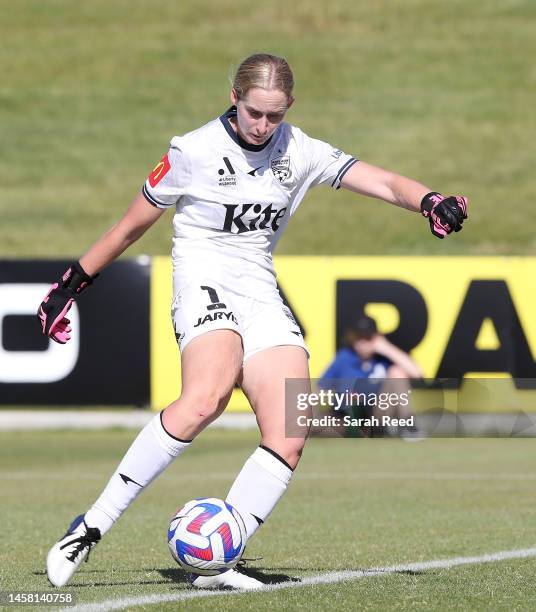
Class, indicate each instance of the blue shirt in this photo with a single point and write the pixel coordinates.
(348, 372)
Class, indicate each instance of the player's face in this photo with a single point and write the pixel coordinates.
(259, 113)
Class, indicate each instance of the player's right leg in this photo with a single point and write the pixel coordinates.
(210, 366)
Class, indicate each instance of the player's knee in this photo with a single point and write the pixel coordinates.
(198, 406)
(207, 405)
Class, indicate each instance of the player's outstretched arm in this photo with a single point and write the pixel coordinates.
(138, 218)
(53, 309)
(445, 214)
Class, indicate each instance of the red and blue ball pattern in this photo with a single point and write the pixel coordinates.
(207, 536)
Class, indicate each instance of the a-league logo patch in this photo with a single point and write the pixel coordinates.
(281, 168)
(160, 171)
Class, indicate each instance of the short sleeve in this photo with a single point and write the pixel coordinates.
(170, 177)
(327, 165)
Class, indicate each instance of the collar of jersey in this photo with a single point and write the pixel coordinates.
(234, 135)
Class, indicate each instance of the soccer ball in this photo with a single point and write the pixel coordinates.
(207, 536)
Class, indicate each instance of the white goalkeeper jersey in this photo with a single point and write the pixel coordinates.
(233, 198)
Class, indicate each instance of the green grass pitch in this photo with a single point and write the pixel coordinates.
(354, 504)
(438, 90)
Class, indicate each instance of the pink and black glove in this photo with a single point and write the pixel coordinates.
(446, 215)
(59, 299)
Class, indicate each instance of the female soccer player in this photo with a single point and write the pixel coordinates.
(234, 183)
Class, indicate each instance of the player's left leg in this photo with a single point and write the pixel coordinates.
(267, 472)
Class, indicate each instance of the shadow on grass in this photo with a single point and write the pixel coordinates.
(262, 575)
(178, 576)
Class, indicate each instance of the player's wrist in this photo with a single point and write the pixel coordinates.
(54, 308)
(75, 280)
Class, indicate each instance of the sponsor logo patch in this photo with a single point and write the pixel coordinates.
(217, 316)
(250, 217)
(160, 171)
(227, 179)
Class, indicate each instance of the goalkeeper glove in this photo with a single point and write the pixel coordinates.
(59, 299)
(446, 215)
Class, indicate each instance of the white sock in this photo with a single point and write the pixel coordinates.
(258, 487)
(148, 456)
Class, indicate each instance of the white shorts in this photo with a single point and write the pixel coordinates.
(204, 305)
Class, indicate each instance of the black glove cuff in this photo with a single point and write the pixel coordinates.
(427, 203)
(75, 279)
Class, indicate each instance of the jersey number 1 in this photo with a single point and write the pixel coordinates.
(215, 303)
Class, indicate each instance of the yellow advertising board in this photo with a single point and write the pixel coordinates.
(458, 316)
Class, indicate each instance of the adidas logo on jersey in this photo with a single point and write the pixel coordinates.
(217, 316)
(250, 217)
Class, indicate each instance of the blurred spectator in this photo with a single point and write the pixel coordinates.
(369, 365)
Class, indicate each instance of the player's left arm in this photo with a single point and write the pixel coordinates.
(446, 214)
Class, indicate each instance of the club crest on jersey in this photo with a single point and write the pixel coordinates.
(281, 168)
(160, 171)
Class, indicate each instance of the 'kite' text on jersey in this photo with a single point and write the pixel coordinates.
(241, 218)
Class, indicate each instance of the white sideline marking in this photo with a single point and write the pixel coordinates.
(329, 578)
